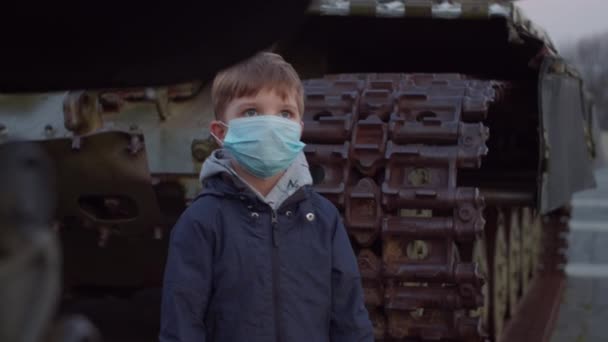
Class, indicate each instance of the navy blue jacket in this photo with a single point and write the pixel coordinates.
(239, 271)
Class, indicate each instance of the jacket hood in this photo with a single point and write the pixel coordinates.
(294, 178)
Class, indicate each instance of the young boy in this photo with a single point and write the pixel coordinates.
(259, 256)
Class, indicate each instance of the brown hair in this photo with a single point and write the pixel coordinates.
(265, 70)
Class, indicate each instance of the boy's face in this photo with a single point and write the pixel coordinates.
(265, 102)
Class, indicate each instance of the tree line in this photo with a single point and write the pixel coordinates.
(590, 56)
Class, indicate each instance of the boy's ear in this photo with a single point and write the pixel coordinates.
(218, 129)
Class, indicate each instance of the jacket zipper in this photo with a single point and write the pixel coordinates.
(275, 229)
(275, 273)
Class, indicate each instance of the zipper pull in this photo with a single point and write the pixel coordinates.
(275, 229)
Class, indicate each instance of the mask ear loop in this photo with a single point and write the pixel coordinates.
(218, 140)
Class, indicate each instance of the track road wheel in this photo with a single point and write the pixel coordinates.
(537, 248)
(499, 279)
(515, 257)
(480, 258)
(527, 241)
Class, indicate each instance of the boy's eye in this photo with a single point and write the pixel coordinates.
(286, 114)
(250, 112)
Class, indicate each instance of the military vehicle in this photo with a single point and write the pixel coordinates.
(72, 46)
(450, 134)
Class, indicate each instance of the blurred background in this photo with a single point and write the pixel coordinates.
(579, 29)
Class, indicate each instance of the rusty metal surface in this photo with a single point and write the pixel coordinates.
(437, 10)
(386, 149)
(188, 112)
(122, 170)
(390, 146)
(416, 8)
(106, 205)
(105, 181)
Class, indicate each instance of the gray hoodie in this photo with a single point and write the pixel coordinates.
(295, 177)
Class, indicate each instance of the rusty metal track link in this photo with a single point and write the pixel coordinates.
(385, 149)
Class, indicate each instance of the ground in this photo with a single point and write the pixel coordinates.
(584, 310)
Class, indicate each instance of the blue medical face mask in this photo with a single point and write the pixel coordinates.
(264, 145)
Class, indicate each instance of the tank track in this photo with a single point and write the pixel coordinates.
(386, 150)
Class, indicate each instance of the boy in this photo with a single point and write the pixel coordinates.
(259, 256)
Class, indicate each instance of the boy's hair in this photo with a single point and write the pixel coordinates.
(265, 70)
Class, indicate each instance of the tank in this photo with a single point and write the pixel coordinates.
(451, 136)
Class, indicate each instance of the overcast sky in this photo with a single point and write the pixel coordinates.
(568, 20)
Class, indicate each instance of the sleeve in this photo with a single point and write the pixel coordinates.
(349, 318)
(187, 282)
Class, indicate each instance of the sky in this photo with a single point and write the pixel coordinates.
(568, 20)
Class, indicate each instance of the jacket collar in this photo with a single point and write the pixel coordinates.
(223, 185)
(295, 177)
